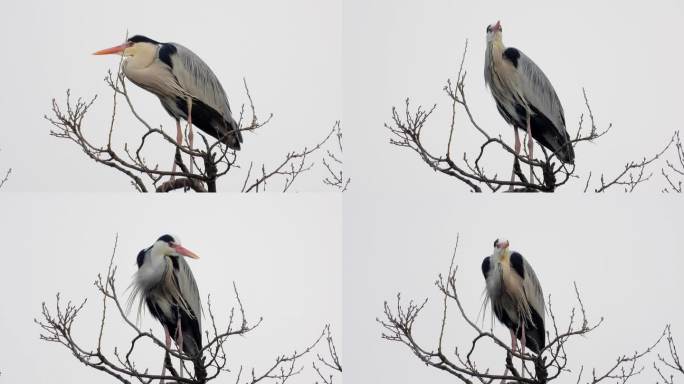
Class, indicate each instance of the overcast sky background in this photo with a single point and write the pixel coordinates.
(283, 252)
(624, 254)
(289, 52)
(621, 52)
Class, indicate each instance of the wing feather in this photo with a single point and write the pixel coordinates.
(196, 78)
(187, 286)
(533, 291)
(538, 91)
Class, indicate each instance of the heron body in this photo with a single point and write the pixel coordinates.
(165, 283)
(525, 97)
(516, 296)
(187, 88)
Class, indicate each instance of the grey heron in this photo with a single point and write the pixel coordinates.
(516, 297)
(187, 88)
(526, 99)
(164, 282)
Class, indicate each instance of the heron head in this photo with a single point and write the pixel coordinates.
(500, 246)
(135, 45)
(170, 245)
(494, 31)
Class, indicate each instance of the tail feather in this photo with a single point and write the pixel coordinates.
(193, 348)
(233, 136)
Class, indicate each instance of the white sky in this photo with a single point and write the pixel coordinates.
(621, 52)
(284, 253)
(400, 218)
(289, 53)
(624, 253)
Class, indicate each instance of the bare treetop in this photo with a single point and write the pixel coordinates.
(203, 166)
(552, 362)
(549, 174)
(59, 324)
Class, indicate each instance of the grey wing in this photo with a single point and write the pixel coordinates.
(197, 79)
(188, 288)
(538, 91)
(533, 290)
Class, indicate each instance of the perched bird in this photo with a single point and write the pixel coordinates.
(185, 85)
(526, 99)
(164, 282)
(516, 297)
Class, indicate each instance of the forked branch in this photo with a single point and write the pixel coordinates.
(552, 362)
(58, 326)
(408, 124)
(210, 162)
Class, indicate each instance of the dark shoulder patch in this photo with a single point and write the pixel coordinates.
(517, 264)
(141, 258)
(485, 266)
(512, 55)
(165, 52)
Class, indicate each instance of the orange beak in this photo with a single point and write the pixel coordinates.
(112, 50)
(184, 251)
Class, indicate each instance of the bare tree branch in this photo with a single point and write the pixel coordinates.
(670, 362)
(294, 164)
(333, 164)
(551, 363)
(4, 178)
(674, 172)
(58, 326)
(407, 126)
(211, 161)
(330, 363)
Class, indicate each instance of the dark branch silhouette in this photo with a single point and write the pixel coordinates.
(674, 171)
(407, 127)
(211, 160)
(5, 177)
(669, 365)
(59, 323)
(549, 365)
(327, 367)
(333, 164)
(294, 164)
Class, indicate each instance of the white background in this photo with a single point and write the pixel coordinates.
(623, 53)
(283, 252)
(289, 52)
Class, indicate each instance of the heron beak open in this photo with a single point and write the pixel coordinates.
(184, 251)
(112, 50)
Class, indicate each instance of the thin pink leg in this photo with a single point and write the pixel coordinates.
(517, 152)
(514, 346)
(190, 134)
(179, 343)
(179, 141)
(168, 347)
(522, 341)
(530, 147)
(514, 341)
